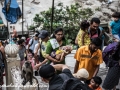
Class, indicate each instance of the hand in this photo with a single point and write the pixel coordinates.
(37, 66)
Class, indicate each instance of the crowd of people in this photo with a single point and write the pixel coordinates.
(47, 55)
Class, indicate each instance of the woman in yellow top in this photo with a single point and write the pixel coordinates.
(83, 37)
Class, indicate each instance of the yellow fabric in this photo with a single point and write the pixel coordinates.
(83, 56)
(86, 38)
(99, 88)
(44, 54)
(59, 51)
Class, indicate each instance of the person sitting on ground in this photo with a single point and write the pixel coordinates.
(95, 83)
(60, 53)
(82, 74)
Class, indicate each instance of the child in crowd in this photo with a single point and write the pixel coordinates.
(83, 37)
(82, 74)
(31, 59)
(95, 83)
(115, 25)
(59, 54)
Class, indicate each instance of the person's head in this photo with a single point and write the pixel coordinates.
(46, 72)
(15, 39)
(95, 82)
(36, 36)
(44, 35)
(94, 23)
(84, 25)
(116, 16)
(21, 42)
(30, 56)
(81, 74)
(95, 44)
(58, 34)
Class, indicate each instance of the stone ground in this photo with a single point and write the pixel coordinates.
(70, 61)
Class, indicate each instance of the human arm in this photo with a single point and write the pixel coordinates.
(110, 30)
(96, 70)
(60, 67)
(99, 61)
(77, 57)
(48, 51)
(37, 46)
(52, 59)
(40, 64)
(76, 40)
(110, 27)
(76, 67)
(29, 45)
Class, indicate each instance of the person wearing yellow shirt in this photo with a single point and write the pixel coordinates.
(89, 57)
(83, 37)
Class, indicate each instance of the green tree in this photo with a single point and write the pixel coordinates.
(67, 17)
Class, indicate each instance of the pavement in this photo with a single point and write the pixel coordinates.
(70, 61)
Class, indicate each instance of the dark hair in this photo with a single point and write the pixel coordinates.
(97, 80)
(116, 15)
(84, 24)
(47, 71)
(97, 41)
(95, 19)
(56, 31)
(36, 35)
(21, 41)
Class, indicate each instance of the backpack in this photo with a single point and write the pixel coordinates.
(108, 53)
(32, 42)
(72, 83)
(1, 64)
(41, 58)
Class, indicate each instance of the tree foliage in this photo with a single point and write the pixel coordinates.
(67, 17)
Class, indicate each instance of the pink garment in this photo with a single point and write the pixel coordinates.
(32, 62)
(93, 36)
(31, 59)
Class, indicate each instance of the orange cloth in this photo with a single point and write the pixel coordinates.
(83, 56)
(99, 88)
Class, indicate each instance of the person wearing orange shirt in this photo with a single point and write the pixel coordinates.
(95, 83)
(89, 57)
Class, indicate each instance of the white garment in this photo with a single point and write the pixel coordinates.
(35, 48)
(33, 44)
(54, 43)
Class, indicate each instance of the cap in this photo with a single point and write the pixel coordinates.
(82, 73)
(47, 71)
(43, 34)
